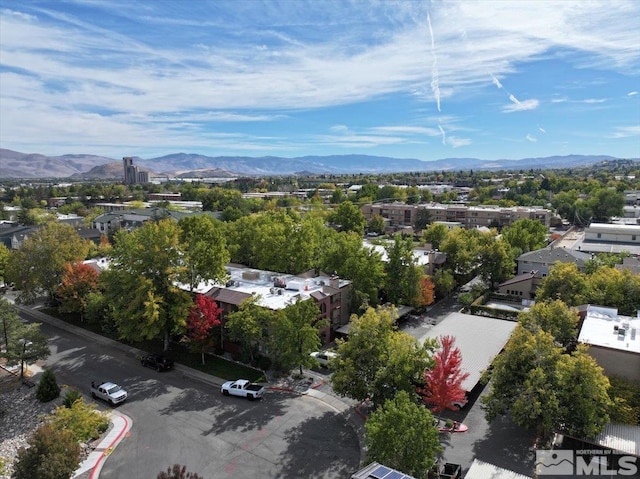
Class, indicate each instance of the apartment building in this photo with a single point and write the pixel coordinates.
(401, 214)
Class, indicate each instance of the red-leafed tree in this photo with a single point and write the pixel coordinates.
(204, 315)
(78, 280)
(443, 383)
(426, 293)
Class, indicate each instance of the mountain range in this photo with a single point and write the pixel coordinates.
(14, 164)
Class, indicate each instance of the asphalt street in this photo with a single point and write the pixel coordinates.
(179, 420)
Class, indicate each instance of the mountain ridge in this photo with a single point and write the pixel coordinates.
(14, 164)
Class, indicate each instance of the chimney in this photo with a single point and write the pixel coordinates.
(334, 281)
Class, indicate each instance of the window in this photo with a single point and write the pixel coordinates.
(599, 235)
(633, 237)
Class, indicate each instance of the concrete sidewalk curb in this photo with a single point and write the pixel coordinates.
(121, 426)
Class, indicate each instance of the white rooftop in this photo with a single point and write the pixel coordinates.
(604, 327)
(420, 256)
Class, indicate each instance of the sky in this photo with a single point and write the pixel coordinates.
(406, 79)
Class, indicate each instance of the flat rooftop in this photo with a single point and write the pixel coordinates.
(604, 327)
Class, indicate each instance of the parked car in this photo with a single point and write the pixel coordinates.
(108, 391)
(324, 357)
(159, 362)
(243, 388)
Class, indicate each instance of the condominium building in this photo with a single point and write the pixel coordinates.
(401, 214)
(132, 175)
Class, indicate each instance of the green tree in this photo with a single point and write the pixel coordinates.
(26, 345)
(462, 249)
(37, 267)
(608, 286)
(52, 454)
(554, 317)
(298, 334)
(402, 272)
(605, 203)
(496, 262)
(525, 235)
(83, 420)
(376, 224)
(204, 246)
(444, 282)
(146, 264)
(247, 325)
(435, 234)
(11, 323)
(378, 361)
(423, 218)
(564, 282)
(402, 435)
(4, 259)
(583, 395)
(48, 388)
(349, 217)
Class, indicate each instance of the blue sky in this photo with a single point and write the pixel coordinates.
(407, 79)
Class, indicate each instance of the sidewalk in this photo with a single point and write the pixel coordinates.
(93, 464)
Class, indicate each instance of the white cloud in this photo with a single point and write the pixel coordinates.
(594, 100)
(632, 93)
(559, 99)
(444, 135)
(626, 131)
(339, 128)
(456, 142)
(542, 130)
(531, 138)
(530, 104)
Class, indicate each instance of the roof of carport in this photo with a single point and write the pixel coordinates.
(480, 340)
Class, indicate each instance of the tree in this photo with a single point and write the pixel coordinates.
(10, 324)
(426, 294)
(376, 224)
(83, 420)
(52, 454)
(37, 267)
(402, 272)
(444, 282)
(349, 217)
(564, 282)
(523, 381)
(583, 395)
(48, 388)
(605, 203)
(247, 325)
(203, 317)
(297, 333)
(402, 435)
(27, 344)
(78, 281)
(423, 218)
(495, 260)
(554, 317)
(4, 259)
(443, 383)
(378, 361)
(178, 472)
(140, 285)
(435, 234)
(203, 242)
(461, 247)
(525, 235)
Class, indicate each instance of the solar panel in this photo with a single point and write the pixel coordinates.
(380, 473)
(395, 475)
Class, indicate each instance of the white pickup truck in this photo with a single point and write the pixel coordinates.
(110, 392)
(242, 388)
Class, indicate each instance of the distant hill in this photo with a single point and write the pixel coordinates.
(14, 164)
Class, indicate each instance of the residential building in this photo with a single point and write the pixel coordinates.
(401, 214)
(612, 233)
(614, 341)
(542, 260)
(428, 258)
(135, 217)
(484, 470)
(132, 175)
(522, 286)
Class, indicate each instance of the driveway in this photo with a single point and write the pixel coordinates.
(177, 420)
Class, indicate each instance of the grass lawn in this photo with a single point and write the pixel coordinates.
(214, 365)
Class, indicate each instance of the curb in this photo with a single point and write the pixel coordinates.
(121, 425)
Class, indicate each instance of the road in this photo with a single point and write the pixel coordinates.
(178, 420)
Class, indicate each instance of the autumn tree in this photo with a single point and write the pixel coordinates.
(401, 434)
(52, 454)
(140, 286)
(82, 419)
(78, 281)
(204, 315)
(426, 292)
(38, 266)
(205, 252)
(443, 383)
(378, 360)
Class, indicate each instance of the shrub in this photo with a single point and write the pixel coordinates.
(48, 388)
(81, 419)
(70, 397)
(53, 454)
